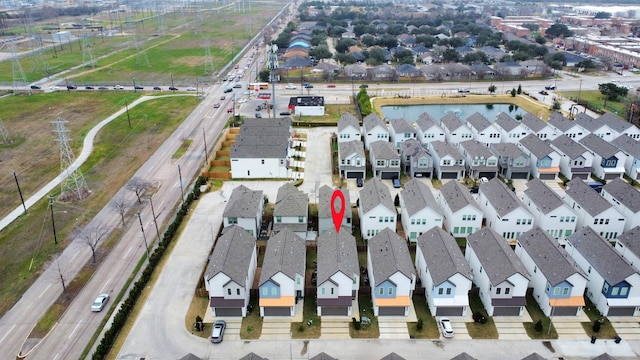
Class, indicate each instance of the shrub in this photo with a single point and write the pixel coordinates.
(596, 326)
(479, 318)
(300, 328)
(538, 326)
(420, 324)
(356, 324)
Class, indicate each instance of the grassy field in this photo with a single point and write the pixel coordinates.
(597, 100)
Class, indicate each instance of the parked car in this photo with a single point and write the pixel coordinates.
(102, 88)
(445, 326)
(218, 331)
(359, 182)
(290, 87)
(542, 92)
(173, 88)
(331, 86)
(53, 87)
(100, 302)
(237, 86)
(259, 107)
(229, 110)
(550, 87)
(258, 115)
(308, 86)
(118, 87)
(484, 180)
(474, 189)
(463, 90)
(157, 88)
(35, 87)
(222, 97)
(396, 183)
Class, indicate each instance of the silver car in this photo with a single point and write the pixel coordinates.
(218, 331)
(445, 326)
(100, 302)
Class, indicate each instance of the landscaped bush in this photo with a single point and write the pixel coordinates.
(479, 318)
(596, 326)
(538, 326)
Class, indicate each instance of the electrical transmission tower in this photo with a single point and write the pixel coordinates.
(197, 23)
(4, 134)
(208, 60)
(87, 54)
(74, 187)
(141, 53)
(160, 15)
(19, 78)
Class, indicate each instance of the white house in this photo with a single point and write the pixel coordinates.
(535, 125)
(455, 131)
(628, 246)
(479, 159)
(428, 130)
(419, 209)
(505, 213)
(385, 160)
(444, 273)
(401, 130)
(544, 160)
(483, 131)
(624, 198)
(391, 274)
(338, 276)
(632, 151)
(558, 283)
(562, 125)
(593, 210)
(510, 130)
(374, 130)
(462, 214)
(596, 127)
(282, 277)
(513, 163)
(620, 126)
(498, 273)
(575, 159)
(230, 272)
(416, 160)
(551, 214)
(348, 128)
(448, 162)
(244, 208)
(325, 217)
(376, 210)
(608, 160)
(614, 285)
(291, 210)
(353, 164)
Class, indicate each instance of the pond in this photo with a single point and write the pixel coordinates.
(437, 111)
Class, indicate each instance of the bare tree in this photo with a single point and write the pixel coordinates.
(91, 235)
(60, 277)
(138, 186)
(120, 206)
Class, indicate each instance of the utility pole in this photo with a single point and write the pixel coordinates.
(272, 61)
(181, 188)
(135, 90)
(206, 153)
(126, 105)
(20, 192)
(53, 221)
(155, 218)
(144, 237)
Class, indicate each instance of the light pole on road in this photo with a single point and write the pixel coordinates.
(144, 237)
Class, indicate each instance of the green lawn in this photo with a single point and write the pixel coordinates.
(477, 330)
(598, 101)
(309, 328)
(429, 325)
(252, 323)
(537, 315)
(368, 331)
(606, 330)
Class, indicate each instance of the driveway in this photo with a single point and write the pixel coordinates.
(317, 165)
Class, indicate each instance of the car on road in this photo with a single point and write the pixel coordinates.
(118, 87)
(308, 86)
(542, 92)
(53, 87)
(35, 87)
(445, 326)
(138, 87)
(464, 90)
(396, 183)
(242, 101)
(236, 66)
(218, 331)
(331, 86)
(216, 105)
(258, 115)
(222, 97)
(157, 88)
(100, 302)
(71, 87)
(230, 110)
(359, 182)
(290, 87)
(88, 87)
(173, 88)
(102, 88)
(191, 89)
(550, 87)
(237, 86)
(228, 90)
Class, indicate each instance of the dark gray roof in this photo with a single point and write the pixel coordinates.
(373, 193)
(402, 126)
(252, 356)
(417, 196)
(243, 202)
(533, 122)
(323, 356)
(451, 121)
(509, 150)
(536, 146)
(567, 146)
(347, 120)
(476, 148)
(348, 148)
(586, 197)
(626, 194)
(506, 122)
(463, 356)
(286, 253)
(549, 256)
(600, 255)
(392, 356)
(614, 122)
(389, 254)
(443, 149)
(501, 198)
(604, 356)
(190, 356)
(285, 122)
(587, 122)
(442, 255)
(371, 121)
(324, 201)
(560, 122)
(232, 254)
(542, 196)
(290, 201)
(413, 147)
(425, 121)
(628, 145)
(478, 121)
(457, 196)
(495, 256)
(337, 253)
(599, 146)
(384, 150)
(534, 356)
(631, 239)
(259, 147)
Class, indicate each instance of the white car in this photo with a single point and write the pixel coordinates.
(242, 101)
(100, 302)
(53, 87)
(445, 326)
(290, 87)
(191, 89)
(119, 87)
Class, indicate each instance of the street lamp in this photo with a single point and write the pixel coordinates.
(172, 87)
(144, 237)
(135, 89)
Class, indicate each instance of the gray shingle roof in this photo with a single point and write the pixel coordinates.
(587, 122)
(232, 254)
(324, 201)
(567, 146)
(600, 255)
(392, 356)
(290, 201)
(476, 148)
(550, 258)
(425, 121)
(347, 120)
(542, 196)
(243, 202)
(614, 122)
(443, 149)
(371, 121)
(536, 146)
(586, 197)
(495, 256)
(286, 253)
(501, 198)
(509, 150)
(417, 196)
(402, 126)
(560, 122)
(347, 148)
(337, 253)
(534, 356)
(626, 194)
(413, 147)
(506, 122)
(533, 122)
(252, 356)
(604, 356)
(463, 356)
(373, 193)
(323, 356)
(451, 121)
(631, 240)
(599, 146)
(384, 150)
(478, 121)
(259, 147)
(628, 145)
(442, 255)
(389, 254)
(457, 196)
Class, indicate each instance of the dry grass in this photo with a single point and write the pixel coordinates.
(429, 325)
(252, 324)
(198, 307)
(310, 326)
(370, 331)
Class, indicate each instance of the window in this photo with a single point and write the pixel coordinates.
(624, 291)
(331, 291)
(498, 291)
(300, 219)
(298, 280)
(265, 291)
(565, 291)
(274, 291)
(262, 161)
(440, 291)
(460, 162)
(323, 291)
(228, 291)
(379, 162)
(395, 163)
(448, 291)
(605, 288)
(614, 291)
(237, 291)
(390, 291)
(413, 221)
(446, 162)
(455, 229)
(556, 291)
(232, 220)
(506, 291)
(278, 219)
(535, 268)
(381, 291)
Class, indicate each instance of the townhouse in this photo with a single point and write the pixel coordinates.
(374, 130)
(628, 246)
(624, 198)
(544, 160)
(418, 209)
(505, 213)
(376, 209)
(513, 163)
(448, 162)
(462, 215)
(291, 210)
(401, 130)
(325, 217)
(631, 149)
(427, 130)
(244, 208)
(348, 128)
(620, 126)
(510, 130)
(575, 159)
(483, 130)
(416, 160)
(562, 125)
(455, 131)
(608, 160)
(551, 214)
(479, 159)
(353, 163)
(535, 125)
(385, 160)
(596, 127)
(338, 274)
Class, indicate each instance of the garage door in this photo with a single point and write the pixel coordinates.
(335, 310)
(449, 311)
(547, 176)
(488, 175)
(355, 174)
(611, 176)
(581, 176)
(386, 175)
(391, 311)
(449, 175)
(277, 311)
(422, 174)
(565, 311)
(519, 175)
(621, 311)
(506, 311)
(228, 311)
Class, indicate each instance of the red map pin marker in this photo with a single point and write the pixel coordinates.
(337, 215)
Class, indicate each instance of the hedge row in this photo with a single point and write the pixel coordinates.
(364, 102)
(102, 350)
